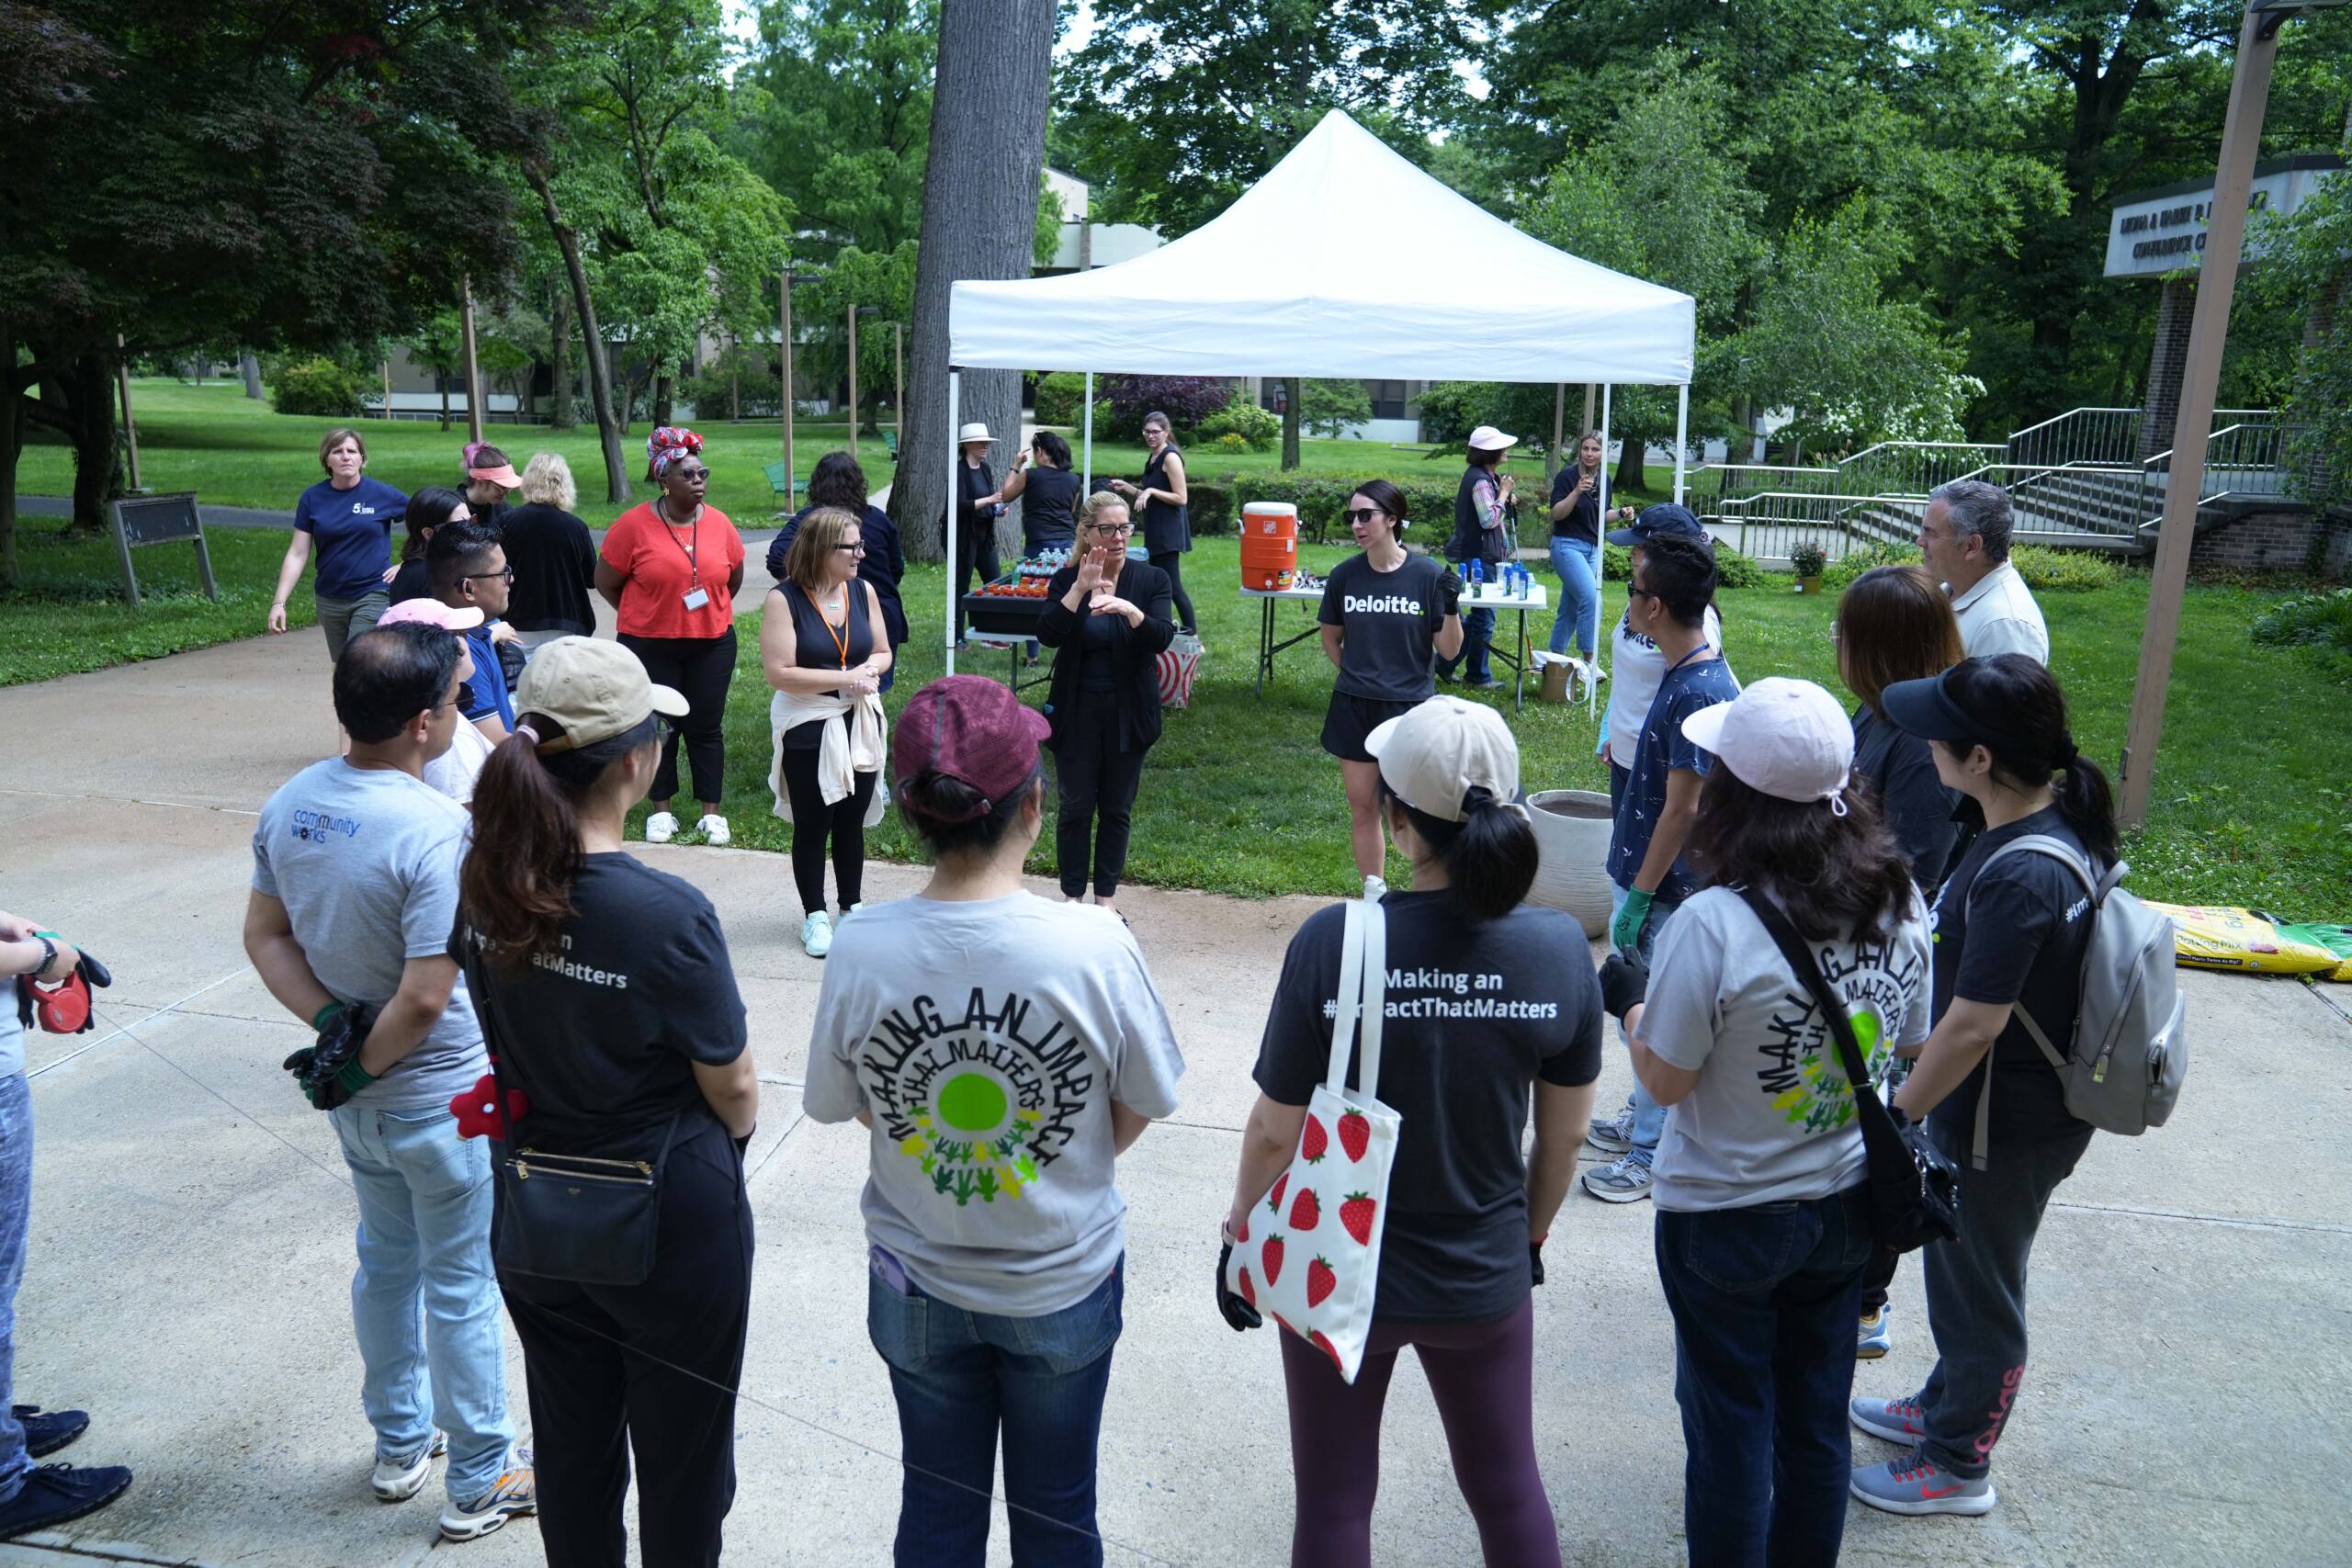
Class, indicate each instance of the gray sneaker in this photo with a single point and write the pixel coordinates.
(1615, 1135)
(1917, 1484)
(1896, 1420)
(514, 1492)
(1626, 1181)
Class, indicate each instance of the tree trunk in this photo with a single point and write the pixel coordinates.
(559, 359)
(600, 384)
(1294, 401)
(980, 221)
(79, 405)
(12, 425)
(665, 397)
(250, 368)
(1630, 454)
(442, 378)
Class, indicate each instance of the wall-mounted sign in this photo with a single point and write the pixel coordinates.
(2153, 232)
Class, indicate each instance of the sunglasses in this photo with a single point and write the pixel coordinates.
(1362, 514)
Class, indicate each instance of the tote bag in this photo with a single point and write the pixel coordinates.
(1308, 1256)
(1178, 663)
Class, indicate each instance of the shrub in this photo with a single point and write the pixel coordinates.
(1853, 563)
(1617, 563)
(1242, 426)
(1733, 569)
(1211, 505)
(2062, 571)
(1061, 399)
(737, 376)
(1187, 399)
(1327, 408)
(321, 388)
(2321, 622)
(1319, 500)
(1807, 558)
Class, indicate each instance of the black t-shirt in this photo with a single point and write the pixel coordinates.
(2016, 934)
(1048, 497)
(413, 580)
(1478, 1010)
(1912, 799)
(600, 1035)
(1391, 619)
(1584, 521)
(555, 566)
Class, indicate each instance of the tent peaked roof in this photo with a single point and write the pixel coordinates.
(1344, 260)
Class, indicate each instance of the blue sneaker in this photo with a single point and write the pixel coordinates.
(1626, 1181)
(1871, 1338)
(1917, 1484)
(54, 1493)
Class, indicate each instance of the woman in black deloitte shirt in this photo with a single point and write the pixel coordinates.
(1386, 613)
(606, 996)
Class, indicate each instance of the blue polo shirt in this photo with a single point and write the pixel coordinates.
(488, 683)
(353, 532)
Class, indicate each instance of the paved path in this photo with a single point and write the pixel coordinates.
(191, 1242)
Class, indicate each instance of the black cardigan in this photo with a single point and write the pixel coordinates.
(1135, 650)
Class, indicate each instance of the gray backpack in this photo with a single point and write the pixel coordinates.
(2123, 1071)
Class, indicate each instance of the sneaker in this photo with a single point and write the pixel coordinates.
(1614, 1136)
(1872, 1339)
(714, 831)
(46, 1431)
(398, 1480)
(817, 935)
(1896, 1420)
(847, 911)
(516, 1493)
(1626, 1181)
(1486, 683)
(1374, 887)
(1917, 1484)
(660, 828)
(56, 1493)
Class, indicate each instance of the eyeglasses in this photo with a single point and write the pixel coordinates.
(1636, 591)
(855, 547)
(1362, 514)
(465, 697)
(1111, 530)
(507, 572)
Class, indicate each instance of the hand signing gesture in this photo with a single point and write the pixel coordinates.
(1112, 604)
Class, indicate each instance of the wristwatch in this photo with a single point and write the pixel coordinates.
(48, 957)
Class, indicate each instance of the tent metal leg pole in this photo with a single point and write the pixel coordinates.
(1086, 464)
(955, 578)
(1600, 571)
(1682, 436)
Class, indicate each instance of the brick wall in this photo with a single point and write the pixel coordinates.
(2160, 407)
(2277, 541)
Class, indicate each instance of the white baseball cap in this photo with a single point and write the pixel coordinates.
(1788, 739)
(973, 431)
(1432, 756)
(1486, 438)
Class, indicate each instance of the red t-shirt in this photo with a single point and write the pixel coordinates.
(663, 564)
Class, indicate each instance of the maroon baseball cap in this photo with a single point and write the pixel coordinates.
(972, 729)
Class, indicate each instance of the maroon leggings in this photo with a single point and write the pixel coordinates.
(1482, 1376)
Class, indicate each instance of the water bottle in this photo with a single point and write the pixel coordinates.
(1477, 576)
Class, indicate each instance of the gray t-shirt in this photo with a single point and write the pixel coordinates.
(1771, 1119)
(989, 1039)
(366, 862)
(12, 1030)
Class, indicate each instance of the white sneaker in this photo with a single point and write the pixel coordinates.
(714, 831)
(660, 828)
(1373, 887)
(514, 1492)
(853, 909)
(817, 935)
(398, 1480)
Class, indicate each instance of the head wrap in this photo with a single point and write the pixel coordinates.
(667, 444)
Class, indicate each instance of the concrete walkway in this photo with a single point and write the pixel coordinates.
(191, 1243)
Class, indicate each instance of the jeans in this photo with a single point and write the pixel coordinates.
(15, 1216)
(1764, 1300)
(960, 1377)
(425, 1301)
(1477, 632)
(1976, 1293)
(1649, 1116)
(1577, 566)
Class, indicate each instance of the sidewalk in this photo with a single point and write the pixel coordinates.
(191, 1243)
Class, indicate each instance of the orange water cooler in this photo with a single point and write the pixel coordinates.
(1269, 546)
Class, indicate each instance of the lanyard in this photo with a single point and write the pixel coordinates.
(1688, 657)
(841, 638)
(694, 552)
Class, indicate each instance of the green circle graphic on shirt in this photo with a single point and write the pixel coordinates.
(972, 1102)
(1865, 1032)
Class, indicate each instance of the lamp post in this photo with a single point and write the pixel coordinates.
(473, 367)
(2200, 378)
(783, 320)
(853, 311)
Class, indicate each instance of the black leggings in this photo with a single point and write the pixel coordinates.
(1094, 779)
(1172, 563)
(701, 668)
(977, 544)
(814, 822)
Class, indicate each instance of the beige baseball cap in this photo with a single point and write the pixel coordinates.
(594, 690)
(1432, 756)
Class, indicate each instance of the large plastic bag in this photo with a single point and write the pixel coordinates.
(2212, 936)
(2336, 939)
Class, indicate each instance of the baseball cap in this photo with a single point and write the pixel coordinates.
(595, 690)
(972, 729)
(1432, 756)
(484, 461)
(1788, 739)
(432, 612)
(1486, 438)
(1666, 517)
(1929, 709)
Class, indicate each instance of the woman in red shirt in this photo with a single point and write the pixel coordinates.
(670, 569)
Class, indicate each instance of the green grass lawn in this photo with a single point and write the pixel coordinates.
(2251, 803)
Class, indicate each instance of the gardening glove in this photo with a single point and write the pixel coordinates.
(1238, 1314)
(1625, 931)
(329, 1073)
(1624, 983)
(1448, 587)
(1535, 1260)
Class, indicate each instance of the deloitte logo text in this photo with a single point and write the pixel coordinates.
(1392, 604)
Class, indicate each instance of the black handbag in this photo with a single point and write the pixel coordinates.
(1913, 1190)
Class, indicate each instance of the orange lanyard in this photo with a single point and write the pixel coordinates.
(841, 638)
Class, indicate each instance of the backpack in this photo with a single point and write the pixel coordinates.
(2130, 1050)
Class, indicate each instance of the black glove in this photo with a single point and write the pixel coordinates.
(329, 1073)
(1535, 1260)
(510, 662)
(1624, 983)
(1448, 587)
(1238, 1314)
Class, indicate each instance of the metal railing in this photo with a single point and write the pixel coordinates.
(1910, 468)
(2106, 436)
(1710, 486)
(1769, 525)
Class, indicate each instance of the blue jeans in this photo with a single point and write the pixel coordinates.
(1578, 565)
(1477, 631)
(16, 1215)
(1649, 1116)
(960, 1377)
(1764, 1300)
(424, 1301)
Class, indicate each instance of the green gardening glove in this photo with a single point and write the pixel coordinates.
(1625, 931)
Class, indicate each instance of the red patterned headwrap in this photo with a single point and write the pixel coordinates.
(666, 445)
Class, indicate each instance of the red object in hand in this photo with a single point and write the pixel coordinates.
(64, 1007)
(477, 1109)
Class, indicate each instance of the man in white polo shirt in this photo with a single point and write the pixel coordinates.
(1965, 538)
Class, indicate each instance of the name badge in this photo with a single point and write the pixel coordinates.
(697, 598)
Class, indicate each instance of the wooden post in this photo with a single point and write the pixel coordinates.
(1559, 417)
(784, 313)
(1588, 424)
(129, 427)
(386, 367)
(852, 309)
(473, 367)
(2209, 328)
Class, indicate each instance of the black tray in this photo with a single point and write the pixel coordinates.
(991, 613)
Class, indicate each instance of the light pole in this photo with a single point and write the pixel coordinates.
(2200, 378)
(783, 317)
(853, 311)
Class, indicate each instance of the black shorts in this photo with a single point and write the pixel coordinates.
(1351, 718)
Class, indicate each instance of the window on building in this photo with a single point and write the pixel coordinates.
(1388, 398)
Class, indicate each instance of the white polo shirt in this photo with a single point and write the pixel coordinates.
(1999, 616)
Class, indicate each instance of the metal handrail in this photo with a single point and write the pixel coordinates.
(2070, 413)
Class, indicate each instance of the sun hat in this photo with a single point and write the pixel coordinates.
(975, 431)
(1486, 438)
(484, 461)
(972, 729)
(1666, 517)
(432, 612)
(1788, 739)
(595, 689)
(1432, 756)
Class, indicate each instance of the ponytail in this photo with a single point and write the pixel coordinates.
(1490, 855)
(2087, 804)
(516, 884)
(2036, 744)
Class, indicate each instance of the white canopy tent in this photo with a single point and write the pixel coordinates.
(1344, 261)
